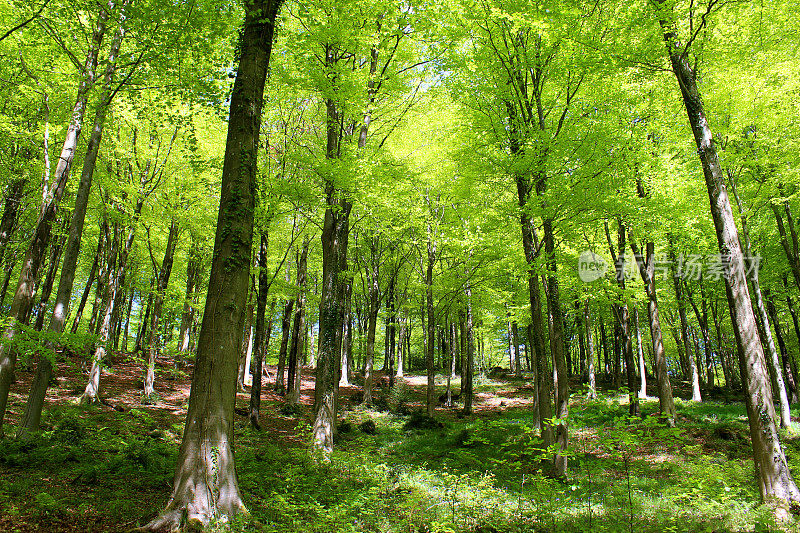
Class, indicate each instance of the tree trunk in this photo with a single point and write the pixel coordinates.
(647, 271)
(373, 306)
(205, 485)
(295, 352)
(286, 324)
(640, 351)
(347, 349)
(258, 342)
(91, 393)
(587, 322)
(158, 303)
(89, 284)
(335, 236)
(557, 350)
(775, 479)
(687, 345)
(467, 392)
(431, 325)
(623, 317)
(24, 293)
(786, 375)
(192, 275)
(8, 223)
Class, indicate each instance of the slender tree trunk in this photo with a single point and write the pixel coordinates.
(286, 324)
(773, 363)
(640, 351)
(47, 286)
(647, 271)
(192, 274)
(557, 349)
(89, 284)
(786, 373)
(158, 303)
(11, 208)
(261, 341)
(34, 256)
(144, 319)
(91, 393)
(347, 349)
(687, 346)
(587, 322)
(205, 485)
(258, 342)
(775, 479)
(467, 392)
(431, 324)
(295, 352)
(373, 306)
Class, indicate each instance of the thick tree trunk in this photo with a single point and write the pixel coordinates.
(158, 303)
(205, 485)
(335, 236)
(774, 478)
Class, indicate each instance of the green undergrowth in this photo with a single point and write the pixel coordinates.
(473, 474)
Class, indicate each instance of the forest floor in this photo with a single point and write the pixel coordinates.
(110, 467)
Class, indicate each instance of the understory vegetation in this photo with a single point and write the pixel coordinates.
(97, 469)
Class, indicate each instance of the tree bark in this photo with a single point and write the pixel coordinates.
(774, 478)
(158, 303)
(335, 236)
(295, 351)
(205, 485)
(687, 345)
(587, 322)
(431, 327)
(259, 349)
(192, 278)
(34, 256)
(557, 350)
(467, 378)
(647, 271)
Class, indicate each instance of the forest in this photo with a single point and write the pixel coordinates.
(419, 266)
